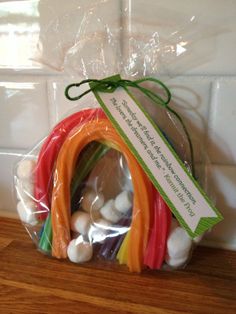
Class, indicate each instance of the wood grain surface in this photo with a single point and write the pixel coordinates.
(33, 283)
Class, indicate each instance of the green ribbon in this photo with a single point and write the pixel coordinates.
(109, 86)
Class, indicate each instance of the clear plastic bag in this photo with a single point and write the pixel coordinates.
(81, 193)
(86, 196)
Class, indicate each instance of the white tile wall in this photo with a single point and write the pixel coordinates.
(222, 131)
(59, 106)
(19, 31)
(8, 159)
(23, 111)
(207, 28)
(191, 98)
(202, 80)
(223, 181)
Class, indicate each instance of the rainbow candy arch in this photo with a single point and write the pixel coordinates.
(145, 243)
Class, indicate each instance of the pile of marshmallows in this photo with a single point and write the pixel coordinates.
(26, 205)
(179, 245)
(91, 223)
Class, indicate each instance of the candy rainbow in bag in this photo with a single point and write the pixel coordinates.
(67, 218)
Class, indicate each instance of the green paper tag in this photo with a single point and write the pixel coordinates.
(179, 189)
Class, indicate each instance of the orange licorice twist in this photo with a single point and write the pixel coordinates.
(101, 131)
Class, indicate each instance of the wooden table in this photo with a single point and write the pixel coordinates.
(33, 283)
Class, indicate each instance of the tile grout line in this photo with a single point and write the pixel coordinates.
(125, 32)
(13, 151)
(52, 109)
(210, 113)
(218, 244)
(9, 214)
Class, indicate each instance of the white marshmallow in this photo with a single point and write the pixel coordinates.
(123, 202)
(25, 190)
(26, 211)
(25, 169)
(109, 212)
(175, 263)
(80, 222)
(79, 251)
(98, 231)
(92, 201)
(178, 243)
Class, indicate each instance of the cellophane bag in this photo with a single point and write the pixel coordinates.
(81, 193)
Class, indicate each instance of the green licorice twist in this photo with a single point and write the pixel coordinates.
(108, 85)
(45, 242)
